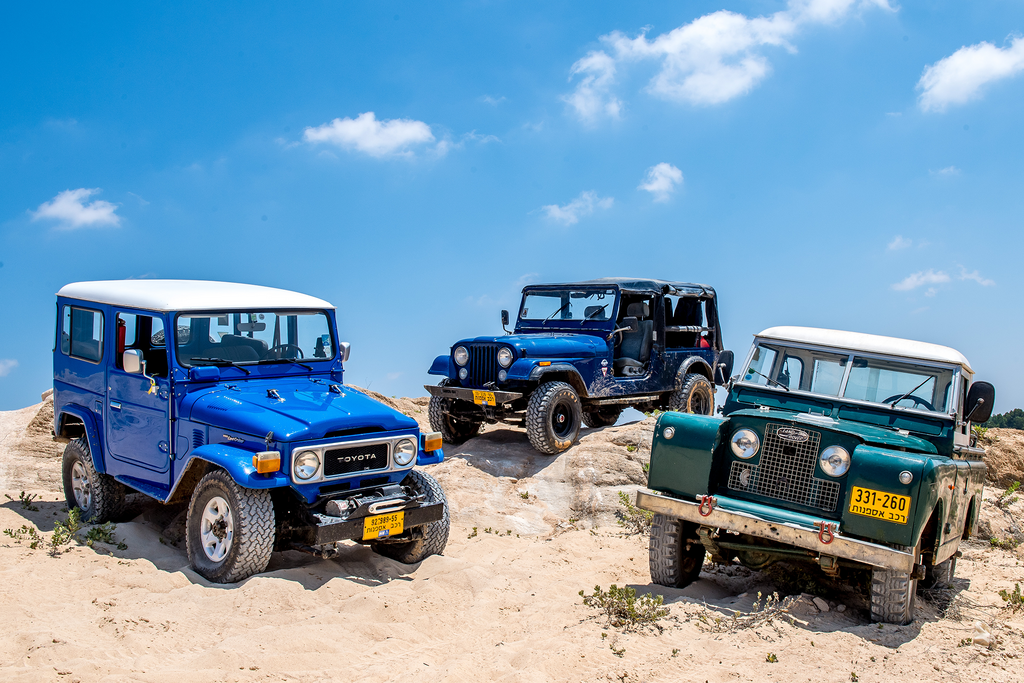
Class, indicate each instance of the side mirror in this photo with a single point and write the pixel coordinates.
(345, 349)
(981, 399)
(631, 324)
(723, 369)
(504, 318)
(131, 361)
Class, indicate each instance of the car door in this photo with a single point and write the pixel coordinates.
(138, 418)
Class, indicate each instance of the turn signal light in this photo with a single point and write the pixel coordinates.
(266, 462)
(544, 363)
(432, 441)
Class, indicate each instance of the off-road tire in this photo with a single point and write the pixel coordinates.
(601, 418)
(454, 431)
(433, 537)
(696, 395)
(672, 564)
(253, 522)
(551, 404)
(940, 575)
(106, 493)
(893, 595)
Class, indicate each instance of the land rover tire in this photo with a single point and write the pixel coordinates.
(893, 595)
(99, 497)
(431, 538)
(553, 417)
(601, 418)
(674, 564)
(696, 395)
(453, 430)
(229, 531)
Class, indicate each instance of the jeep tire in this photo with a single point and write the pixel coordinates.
(675, 562)
(601, 418)
(893, 595)
(100, 497)
(696, 395)
(553, 417)
(453, 430)
(432, 537)
(229, 530)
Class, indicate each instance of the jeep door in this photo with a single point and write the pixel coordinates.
(137, 412)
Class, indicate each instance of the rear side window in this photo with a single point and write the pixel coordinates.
(82, 333)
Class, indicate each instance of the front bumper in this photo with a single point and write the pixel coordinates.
(331, 529)
(785, 533)
(472, 395)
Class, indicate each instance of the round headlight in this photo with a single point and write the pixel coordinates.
(504, 357)
(461, 355)
(306, 465)
(745, 443)
(463, 373)
(405, 451)
(835, 461)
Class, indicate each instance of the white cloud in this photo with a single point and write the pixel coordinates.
(377, 138)
(960, 77)
(947, 172)
(924, 277)
(69, 209)
(493, 101)
(710, 60)
(583, 205)
(661, 181)
(899, 242)
(6, 365)
(976, 276)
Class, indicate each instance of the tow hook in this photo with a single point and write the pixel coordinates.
(826, 532)
(707, 505)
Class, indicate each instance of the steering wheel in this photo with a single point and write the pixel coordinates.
(916, 399)
(278, 348)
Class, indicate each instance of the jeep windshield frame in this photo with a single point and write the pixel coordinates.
(568, 308)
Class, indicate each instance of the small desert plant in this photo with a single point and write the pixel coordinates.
(632, 447)
(525, 495)
(979, 431)
(64, 532)
(104, 533)
(1013, 599)
(472, 533)
(632, 518)
(1004, 543)
(624, 608)
(1006, 498)
(771, 658)
(25, 533)
(759, 615)
(25, 500)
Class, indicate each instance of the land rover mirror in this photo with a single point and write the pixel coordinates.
(251, 327)
(131, 360)
(504, 318)
(345, 348)
(723, 369)
(980, 400)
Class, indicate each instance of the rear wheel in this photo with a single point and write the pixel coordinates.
(601, 418)
(696, 395)
(553, 417)
(893, 595)
(453, 430)
(100, 497)
(940, 575)
(433, 537)
(675, 561)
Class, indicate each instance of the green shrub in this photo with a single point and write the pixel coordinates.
(633, 519)
(624, 608)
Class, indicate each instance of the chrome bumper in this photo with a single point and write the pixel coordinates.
(785, 533)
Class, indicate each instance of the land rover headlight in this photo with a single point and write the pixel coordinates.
(461, 355)
(504, 357)
(306, 465)
(835, 461)
(745, 443)
(405, 451)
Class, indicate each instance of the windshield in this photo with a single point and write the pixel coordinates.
(568, 304)
(250, 337)
(883, 381)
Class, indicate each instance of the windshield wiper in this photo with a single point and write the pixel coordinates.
(600, 310)
(285, 360)
(219, 362)
(778, 384)
(893, 404)
(556, 312)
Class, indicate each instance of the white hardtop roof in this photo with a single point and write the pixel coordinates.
(188, 295)
(870, 343)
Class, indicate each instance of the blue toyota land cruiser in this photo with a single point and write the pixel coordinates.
(581, 353)
(230, 397)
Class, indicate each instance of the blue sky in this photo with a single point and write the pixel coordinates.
(835, 163)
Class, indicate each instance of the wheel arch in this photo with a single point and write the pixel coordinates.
(74, 421)
(932, 532)
(694, 365)
(235, 461)
(971, 519)
(560, 372)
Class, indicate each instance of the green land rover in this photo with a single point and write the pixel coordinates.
(846, 450)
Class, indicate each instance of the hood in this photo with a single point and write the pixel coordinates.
(306, 410)
(869, 434)
(550, 344)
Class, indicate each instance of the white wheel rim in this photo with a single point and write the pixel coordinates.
(80, 485)
(217, 529)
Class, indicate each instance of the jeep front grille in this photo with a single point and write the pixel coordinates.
(483, 364)
(358, 458)
(786, 472)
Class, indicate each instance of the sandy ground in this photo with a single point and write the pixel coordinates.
(529, 532)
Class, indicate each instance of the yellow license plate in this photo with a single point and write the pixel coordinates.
(383, 526)
(483, 398)
(890, 507)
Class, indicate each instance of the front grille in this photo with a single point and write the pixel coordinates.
(358, 458)
(483, 364)
(786, 471)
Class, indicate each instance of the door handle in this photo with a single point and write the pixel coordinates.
(115, 405)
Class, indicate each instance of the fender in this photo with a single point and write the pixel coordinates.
(687, 367)
(683, 463)
(92, 434)
(238, 463)
(441, 366)
(574, 377)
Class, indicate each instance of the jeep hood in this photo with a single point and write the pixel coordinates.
(550, 345)
(306, 410)
(869, 434)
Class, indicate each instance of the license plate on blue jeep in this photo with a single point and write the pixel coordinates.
(484, 398)
(383, 526)
(890, 507)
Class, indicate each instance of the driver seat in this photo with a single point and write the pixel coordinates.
(635, 348)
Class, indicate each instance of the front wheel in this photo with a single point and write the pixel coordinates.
(454, 431)
(553, 417)
(893, 595)
(229, 531)
(99, 496)
(433, 537)
(696, 395)
(676, 558)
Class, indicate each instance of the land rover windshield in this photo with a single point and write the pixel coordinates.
(563, 305)
(253, 337)
(847, 374)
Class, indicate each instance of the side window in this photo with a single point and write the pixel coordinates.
(146, 334)
(683, 312)
(82, 334)
(792, 372)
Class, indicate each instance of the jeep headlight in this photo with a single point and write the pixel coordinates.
(745, 443)
(306, 465)
(835, 461)
(405, 451)
(461, 355)
(504, 357)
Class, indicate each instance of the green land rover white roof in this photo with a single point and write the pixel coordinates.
(189, 295)
(870, 343)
